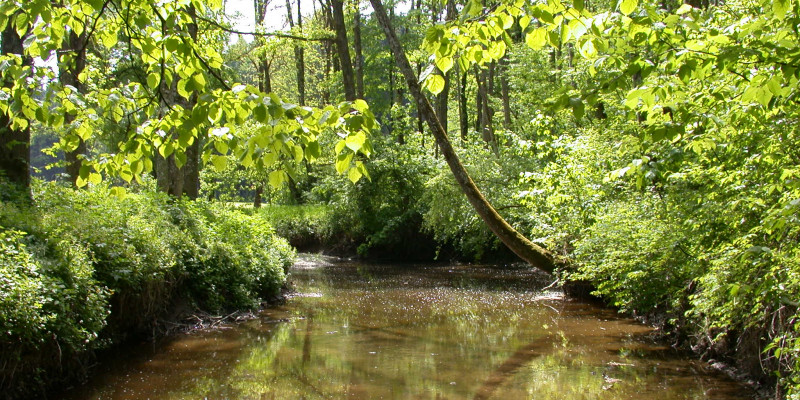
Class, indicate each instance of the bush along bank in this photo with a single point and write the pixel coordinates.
(84, 270)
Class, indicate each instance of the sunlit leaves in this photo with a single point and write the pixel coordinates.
(628, 6)
(434, 83)
(780, 8)
(537, 38)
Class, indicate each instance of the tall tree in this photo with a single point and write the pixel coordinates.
(516, 242)
(263, 64)
(505, 92)
(443, 96)
(178, 174)
(299, 53)
(15, 135)
(463, 118)
(342, 49)
(358, 62)
(72, 65)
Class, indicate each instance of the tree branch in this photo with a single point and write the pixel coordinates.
(264, 34)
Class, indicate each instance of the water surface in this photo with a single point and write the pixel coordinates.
(365, 331)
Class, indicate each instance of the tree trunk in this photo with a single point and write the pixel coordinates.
(345, 63)
(15, 154)
(443, 96)
(191, 170)
(359, 60)
(515, 241)
(478, 102)
(300, 58)
(266, 76)
(463, 118)
(484, 118)
(171, 179)
(259, 192)
(327, 18)
(504, 92)
(75, 51)
(263, 65)
(299, 54)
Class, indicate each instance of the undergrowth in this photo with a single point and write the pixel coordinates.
(83, 270)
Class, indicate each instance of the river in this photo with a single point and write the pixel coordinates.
(429, 331)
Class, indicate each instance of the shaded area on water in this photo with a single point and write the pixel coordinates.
(415, 331)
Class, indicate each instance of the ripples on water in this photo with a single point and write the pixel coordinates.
(366, 331)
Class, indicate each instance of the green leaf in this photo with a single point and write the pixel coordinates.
(180, 159)
(434, 83)
(537, 38)
(152, 80)
(260, 112)
(95, 178)
(497, 50)
(628, 6)
(171, 44)
(780, 8)
(578, 108)
(313, 150)
(355, 142)
(219, 162)
(444, 64)
(524, 21)
(354, 175)
(221, 147)
(343, 162)
(683, 9)
(118, 192)
(83, 171)
(276, 178)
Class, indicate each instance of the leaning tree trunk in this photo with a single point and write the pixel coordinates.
(519, 244)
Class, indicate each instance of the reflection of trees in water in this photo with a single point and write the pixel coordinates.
(395, 340)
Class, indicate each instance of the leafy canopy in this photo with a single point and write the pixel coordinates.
(176, 95)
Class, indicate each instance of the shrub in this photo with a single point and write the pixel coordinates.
(79, 266)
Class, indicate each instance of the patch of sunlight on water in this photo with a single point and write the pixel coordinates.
(415, 332)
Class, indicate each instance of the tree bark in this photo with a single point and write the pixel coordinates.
(485, 112)
(75, 49)
(359, 56)
(299, 54)
(259, 192)
(515, 241)
(443, 96)
(345, 63)
(463, 118)
(263, 65)
(504, 92)
(171, 179)
(191, 173)
(15, 154)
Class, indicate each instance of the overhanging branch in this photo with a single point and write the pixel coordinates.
(264, 34)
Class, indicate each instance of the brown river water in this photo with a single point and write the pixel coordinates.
(375, 331)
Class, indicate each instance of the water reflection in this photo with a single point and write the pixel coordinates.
(416, 332)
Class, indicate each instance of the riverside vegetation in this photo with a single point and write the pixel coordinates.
(82, 270)
(647, 148)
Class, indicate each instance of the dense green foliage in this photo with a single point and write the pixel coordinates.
(652, 144)
(83, 269)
